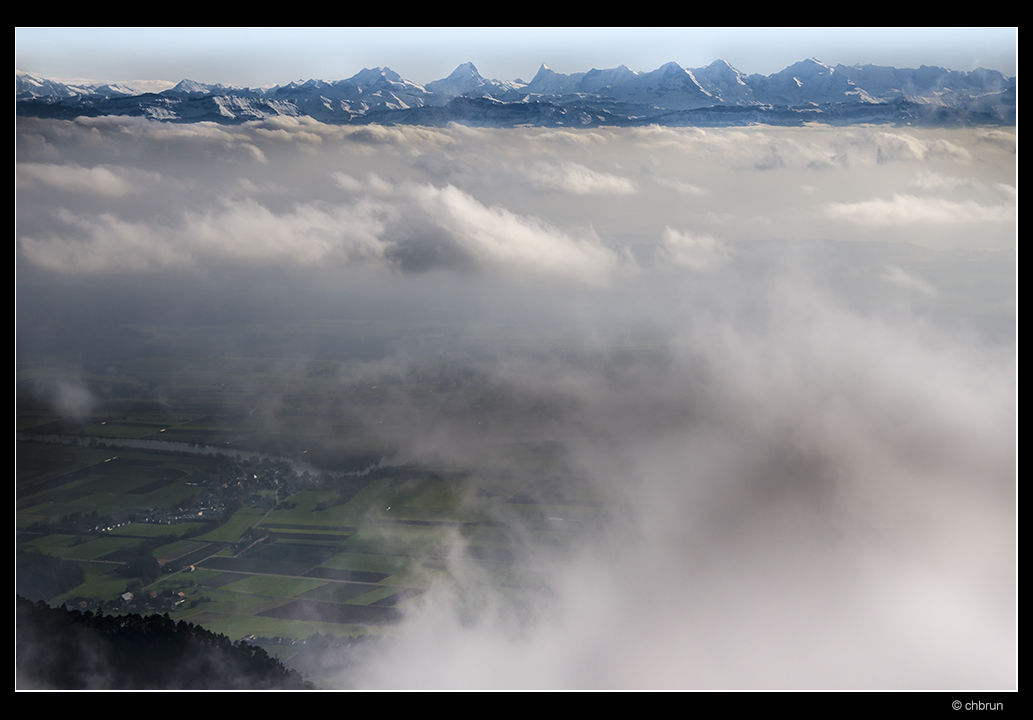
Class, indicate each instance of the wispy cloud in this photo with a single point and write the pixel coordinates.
(901, 278)
(99, 180)
(578, 179)
(912, 209)
(380, 229)
(697, 252)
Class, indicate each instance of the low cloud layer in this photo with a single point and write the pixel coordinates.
(783, 359)
(331, 194)
(815, 500)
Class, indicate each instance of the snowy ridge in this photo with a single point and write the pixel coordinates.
(717, 94)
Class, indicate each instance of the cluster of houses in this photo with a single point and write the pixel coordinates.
(152, 601)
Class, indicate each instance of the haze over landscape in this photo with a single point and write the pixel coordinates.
(651, 406)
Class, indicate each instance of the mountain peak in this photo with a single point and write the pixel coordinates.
(464, 79)
(368, 76)
(465, 70)
(721, 66)
(812, 66)
(190, 86)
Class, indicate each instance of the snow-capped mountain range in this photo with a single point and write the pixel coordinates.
(718, 94)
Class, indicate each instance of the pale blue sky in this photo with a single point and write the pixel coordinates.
(265, 56)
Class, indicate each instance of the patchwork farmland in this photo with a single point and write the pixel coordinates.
(161, 513)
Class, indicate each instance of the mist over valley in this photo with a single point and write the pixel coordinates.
(531, 407)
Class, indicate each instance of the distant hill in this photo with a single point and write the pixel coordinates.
(715, 95)
(60, 649)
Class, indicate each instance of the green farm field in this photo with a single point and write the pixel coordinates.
(171, 503)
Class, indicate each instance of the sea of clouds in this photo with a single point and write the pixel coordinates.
(786, 354)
